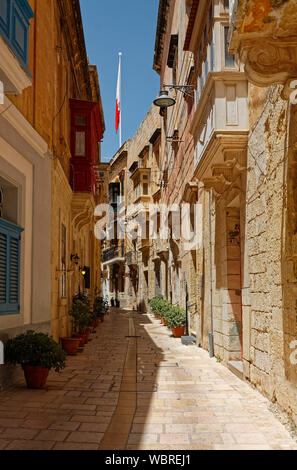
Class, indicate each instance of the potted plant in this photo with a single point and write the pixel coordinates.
(155, 305)
(37, 353)
(176, 319)
(100, 308)
(81, 316)
(164, 311)
(71, 345)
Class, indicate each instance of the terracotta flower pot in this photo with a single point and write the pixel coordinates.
(156, 316)
(178, 331)
(35, 376)
(81, 339)
(71, 345)
(86, 335)
(164, 322)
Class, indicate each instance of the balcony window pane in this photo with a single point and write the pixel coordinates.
(80, 144)
(80, 120)
(229, 58)
(212, 65)
(201, 83)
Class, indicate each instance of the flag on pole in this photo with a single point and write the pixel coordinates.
(118, 98)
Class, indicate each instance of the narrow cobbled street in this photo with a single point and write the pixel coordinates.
(136, 387)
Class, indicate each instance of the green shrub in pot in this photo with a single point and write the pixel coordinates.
(35, 349)
(81, 315)
(37, 353)
(176, 316)
(100, 307)
(155, 304)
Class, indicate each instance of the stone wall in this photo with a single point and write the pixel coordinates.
(270, 213)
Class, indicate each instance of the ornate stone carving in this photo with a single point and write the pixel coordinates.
(277, 3)
(269, 61)
(264, 34)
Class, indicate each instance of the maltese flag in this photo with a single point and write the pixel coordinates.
(118, 99)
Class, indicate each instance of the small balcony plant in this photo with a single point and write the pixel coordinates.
(37, 353)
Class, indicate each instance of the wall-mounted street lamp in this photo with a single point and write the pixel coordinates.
(83, 271)
(86, 274)
(165, 101)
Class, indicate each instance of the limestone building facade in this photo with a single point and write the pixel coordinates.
(52, 124)
(227, 148)
(270, 28)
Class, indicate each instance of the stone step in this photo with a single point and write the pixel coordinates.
(237, 368)
(188, 340)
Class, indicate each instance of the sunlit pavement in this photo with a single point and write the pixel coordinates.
(136, 387)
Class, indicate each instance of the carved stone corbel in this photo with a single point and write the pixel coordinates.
(270, 61)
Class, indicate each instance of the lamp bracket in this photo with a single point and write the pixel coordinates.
(187, 90)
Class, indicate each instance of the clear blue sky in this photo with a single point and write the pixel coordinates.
(128, 27)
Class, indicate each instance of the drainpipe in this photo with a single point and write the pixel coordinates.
(210, 336)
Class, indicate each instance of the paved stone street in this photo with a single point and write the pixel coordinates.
(136, 387)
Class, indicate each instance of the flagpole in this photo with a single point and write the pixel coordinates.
(120, 134)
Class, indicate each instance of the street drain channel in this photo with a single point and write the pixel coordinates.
(164, 364)
(116, 436)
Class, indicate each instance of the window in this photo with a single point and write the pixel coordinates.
(63, 261)
(212, 64)
(14, 27)
(10, 235)
(80, 120)
(175, 67)
(114, 194)
(201, 82)
(229, 58)
(80, 144)
(206, 67)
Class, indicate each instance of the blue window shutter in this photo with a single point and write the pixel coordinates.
(10, 247)
(3, 267)
(15, 18)
(14, 271)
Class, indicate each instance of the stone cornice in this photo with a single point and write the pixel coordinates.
(219, 144)
(160, 34)
(15, 118)
(12, 73)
